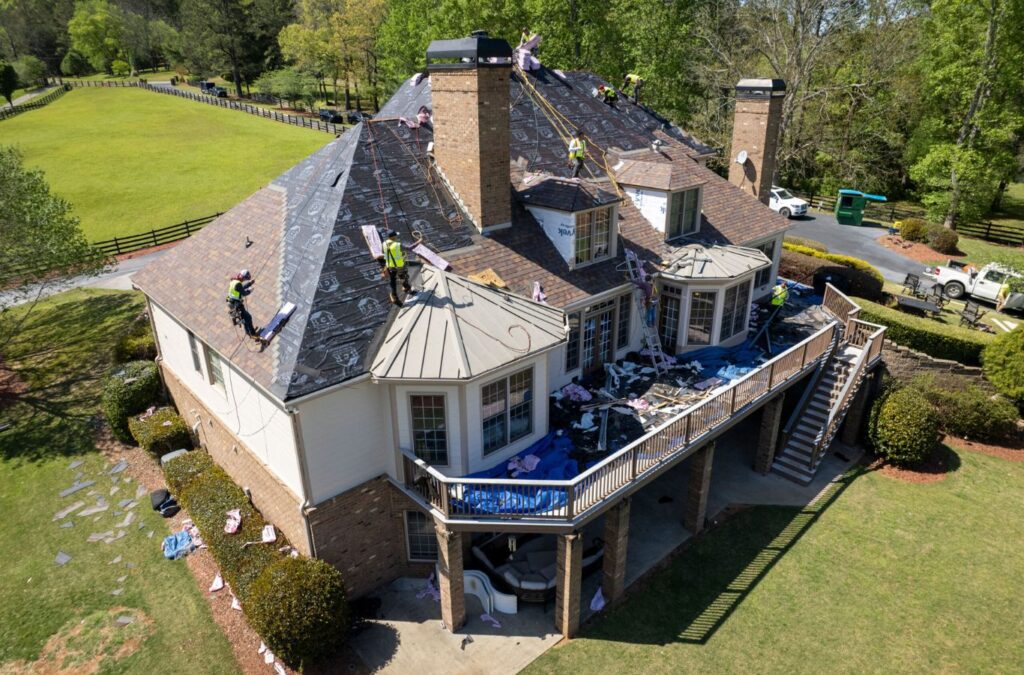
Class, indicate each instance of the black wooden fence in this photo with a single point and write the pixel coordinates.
(230, 104)
(163, 235)
(37, 102)
(997, 232)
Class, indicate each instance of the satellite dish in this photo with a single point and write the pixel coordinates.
(742, 157)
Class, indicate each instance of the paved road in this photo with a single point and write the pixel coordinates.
(856, 241)
(25, 98)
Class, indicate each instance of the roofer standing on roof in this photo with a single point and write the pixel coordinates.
(634, 80)
(780, 294)
(577, 151)
(392, 266)
(240, 286)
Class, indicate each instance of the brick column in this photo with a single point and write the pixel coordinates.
(450, 580)
(767, 441)
(700, 485)
(567, 591)
(616, 540)
(857, 414)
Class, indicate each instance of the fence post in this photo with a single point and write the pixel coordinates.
(188, 232)
(117, 245)
(153, 232)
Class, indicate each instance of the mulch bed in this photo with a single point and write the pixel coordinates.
(1012, 451)
(937, 467)
(913, 249)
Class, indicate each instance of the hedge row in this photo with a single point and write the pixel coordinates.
(128, 391)
(161, 432)
(844, 260)
(1003, 361)
(938, 340)
(296, 605)
(804, 268)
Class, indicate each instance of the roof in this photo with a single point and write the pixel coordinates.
(308, 248)
(667, 176)
(706, 263)
(565, 195)
(456, 329)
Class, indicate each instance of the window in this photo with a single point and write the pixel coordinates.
(215, 368)
(668, 319)
(765, 276)
(193, 345)
(683, 217)
(420, 538)
(735, 310)
(429, 430)
(507, 410)
(994, 276)
(622, 336)
(846, 201)
(702, 316)
(572, 347)
(593, 235)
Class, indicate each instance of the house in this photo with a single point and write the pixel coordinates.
(355, 429)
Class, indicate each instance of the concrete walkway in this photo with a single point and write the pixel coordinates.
(857, 241)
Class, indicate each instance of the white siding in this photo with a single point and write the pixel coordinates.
(761, 291)
(261, 423)
(560, 228)
(652, 204)
(453, 422)
(347, 438)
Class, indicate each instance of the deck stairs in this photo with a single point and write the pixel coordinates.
(804, 441)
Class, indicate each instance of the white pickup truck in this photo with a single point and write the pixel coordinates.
(958, 280)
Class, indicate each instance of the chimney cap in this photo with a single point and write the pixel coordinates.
(479, 49)
(760, 88)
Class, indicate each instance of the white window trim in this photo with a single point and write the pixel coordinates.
(716, 316)
(582, 311)
(447, 424)
(408, 548)
(697, 216)
(195, 351)
(613, 236)
(746, 310)
(209, 355)
(509, 442)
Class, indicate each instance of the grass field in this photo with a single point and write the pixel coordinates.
(173, 630)
(890, 577)
(131, 160)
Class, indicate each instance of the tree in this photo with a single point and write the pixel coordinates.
(30, 70)
(40, 238)
(75, 64)
(97, 30)
(8, 82)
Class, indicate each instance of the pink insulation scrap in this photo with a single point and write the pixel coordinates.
(575, 392)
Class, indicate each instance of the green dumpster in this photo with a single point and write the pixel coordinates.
(850, 206)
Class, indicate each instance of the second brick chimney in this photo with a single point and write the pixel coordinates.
(755, 135)
(469, 80)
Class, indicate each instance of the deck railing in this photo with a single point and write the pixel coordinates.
(565, 500)
(840, 306)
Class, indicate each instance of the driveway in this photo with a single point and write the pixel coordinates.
(857, 241)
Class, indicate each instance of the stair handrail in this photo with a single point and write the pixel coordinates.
(805, 398)
(839, 305)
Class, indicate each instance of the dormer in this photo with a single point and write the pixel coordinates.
(668, 194)
(580, 218)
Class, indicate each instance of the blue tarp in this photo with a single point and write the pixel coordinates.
(555, 464)
(177, 545)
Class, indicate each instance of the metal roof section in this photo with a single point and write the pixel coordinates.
(479, 49)
(457, 329)
(700, 262)
(564, 195)
(666, 176)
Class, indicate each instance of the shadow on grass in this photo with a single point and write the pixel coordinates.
(707, 582)
(60, 354)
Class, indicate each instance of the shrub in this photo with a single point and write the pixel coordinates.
(298, 607)
(181, 471)
(161, 432)
(964, 409)
(119, 68)
(905, 427)
(74, 64)
(802, 267)
(943, 239)
(807, 243)
(1003, 363)
(939, 340)
(914, 229)
(31, 70)
(131, 389)
(138, 343)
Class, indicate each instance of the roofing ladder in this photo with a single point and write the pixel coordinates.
(634, 269)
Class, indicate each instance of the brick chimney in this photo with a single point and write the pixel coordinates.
(755, 131)
(469, 80)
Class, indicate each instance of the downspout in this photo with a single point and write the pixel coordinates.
(300, 452)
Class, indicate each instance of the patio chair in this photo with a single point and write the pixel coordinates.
(936, 296)
(912, 284)
(971, 314)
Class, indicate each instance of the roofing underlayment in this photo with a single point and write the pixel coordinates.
(301, 235)
(456, 329)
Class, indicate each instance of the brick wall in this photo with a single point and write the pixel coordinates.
(362, 533)
(471, 139)
(756, 130)
(278, 504)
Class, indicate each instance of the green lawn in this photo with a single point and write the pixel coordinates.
(65, 347)
(889, 577)
(131, 160)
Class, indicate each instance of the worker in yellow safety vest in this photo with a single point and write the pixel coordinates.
(607, 94)
(577, 151)
(635, 81)
(1003, 295)
(240, 286)
(780, 294)
(392, 266)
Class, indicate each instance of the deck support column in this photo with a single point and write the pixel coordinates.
(616, 541)
(855, 414)
(700, 485)
(450, 580)
(567, 591)
(768, 440)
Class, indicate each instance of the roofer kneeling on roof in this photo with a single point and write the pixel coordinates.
(392, 265)
(239, 287)
(577, 151)
(634, 80)
(607, 94)
(780, 294)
